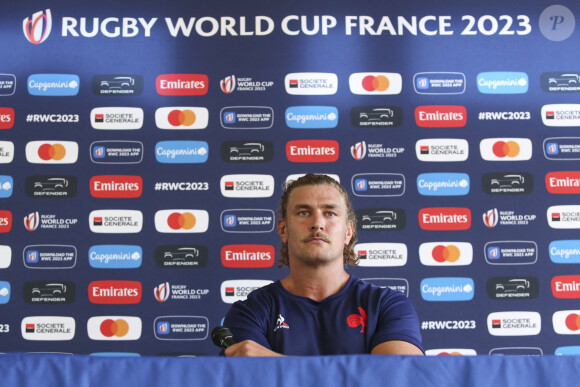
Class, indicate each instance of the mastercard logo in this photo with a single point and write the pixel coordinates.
(506, 149)
(450, 253)
(573, 322)
(181, 118)
(117, 328)
(177, 221)
(375, 83)
(51, 152)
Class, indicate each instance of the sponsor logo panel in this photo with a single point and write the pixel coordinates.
(238, 290)
(381, 219)
(447, 289)
(5, 291)
(562, 148)
(50, 256)
(182, 84)
(116, 221)
(376, 116)
(311, 117)
(37, 27)
(566, 322)
(565, 251)
(117, 118)
(311, 83)
(181, 117)
(378, 184)
(7, 84)
(247, 220)
(248, 256)
(51, 186)
(516, 351)
(445, 218)
(181, 221)
(505, 149)
(53, 85)
(439, 83)
(495, 217)
(117, 84)
(566, 286)
(563, 182)
(166, 291)
(5, 221)
(441, 116)
(375, 83)
(181, 256)
(247, 117)
(247, 151)
(511, 252)
(560, 82)
(361, 149)
(312, 151)
(181, 327)
(114, 328)
(443, 184)
(6, 186)
(513, 288)
(566, 351)
(116, 186)
(5, 256)
(498, 82)
(247, 186)
(48, 328)
(381, 254)
(397, 284)
(181, 152)
(36, 221)
(507, 183)
(115, 292)
(115, 256)
(561, 115)
(7, 117)
(446, 253)
(451, 352)
(52, 152)
(232, 83)
(49, 292)
(6, 152)
(514, 323)
(564, 217)
(117, 152)
(442, 150)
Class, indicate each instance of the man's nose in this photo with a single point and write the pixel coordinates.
(317, 221)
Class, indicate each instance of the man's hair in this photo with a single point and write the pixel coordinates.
(349, 255)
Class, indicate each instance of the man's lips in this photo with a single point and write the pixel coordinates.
(318, 237)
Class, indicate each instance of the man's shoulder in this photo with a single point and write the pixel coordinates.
(361, 286)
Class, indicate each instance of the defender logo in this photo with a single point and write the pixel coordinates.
(560, 82)
(247, 151)
(381, 219)
(376, 116)
(117, 85)
(513, 288)
(181, 256)
(51, 186)
(507, 183)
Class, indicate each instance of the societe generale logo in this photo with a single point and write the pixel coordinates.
(563, 182)
(5, 221)
(182, 84)
(441, 116)
(6, 118)
(114, 328)
(37, 28)
(248, 256)
(52, 152)
(181, 221)
(48, 328)
(514, 323)
(116, 186)
(445, 218)
(115, 292)
(312, 151)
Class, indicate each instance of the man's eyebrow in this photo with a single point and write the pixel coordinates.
(326, 205)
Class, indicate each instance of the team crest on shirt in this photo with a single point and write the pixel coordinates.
(280, 323)
(356, 320)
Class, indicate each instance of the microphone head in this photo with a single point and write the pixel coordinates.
(219, 334)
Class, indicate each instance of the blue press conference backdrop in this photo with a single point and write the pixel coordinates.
(144, 145)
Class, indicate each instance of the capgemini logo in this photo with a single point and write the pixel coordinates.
(37, 28)
(32, 221)
(359, 150)
(490, 218)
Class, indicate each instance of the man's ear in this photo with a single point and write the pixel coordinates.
(282, 230)
(349, 232)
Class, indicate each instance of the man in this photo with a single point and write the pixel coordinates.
(319, 309)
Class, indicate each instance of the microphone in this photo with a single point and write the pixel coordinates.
(222, 337)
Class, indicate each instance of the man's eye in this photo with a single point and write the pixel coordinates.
(331, 214)
(303, 213)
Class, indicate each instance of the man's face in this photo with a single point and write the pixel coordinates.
(315, 227)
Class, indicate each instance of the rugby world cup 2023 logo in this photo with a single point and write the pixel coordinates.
(37, 28)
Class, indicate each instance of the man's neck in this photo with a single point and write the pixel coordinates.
(316, 283)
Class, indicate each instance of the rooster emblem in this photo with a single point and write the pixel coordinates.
(354, 320)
